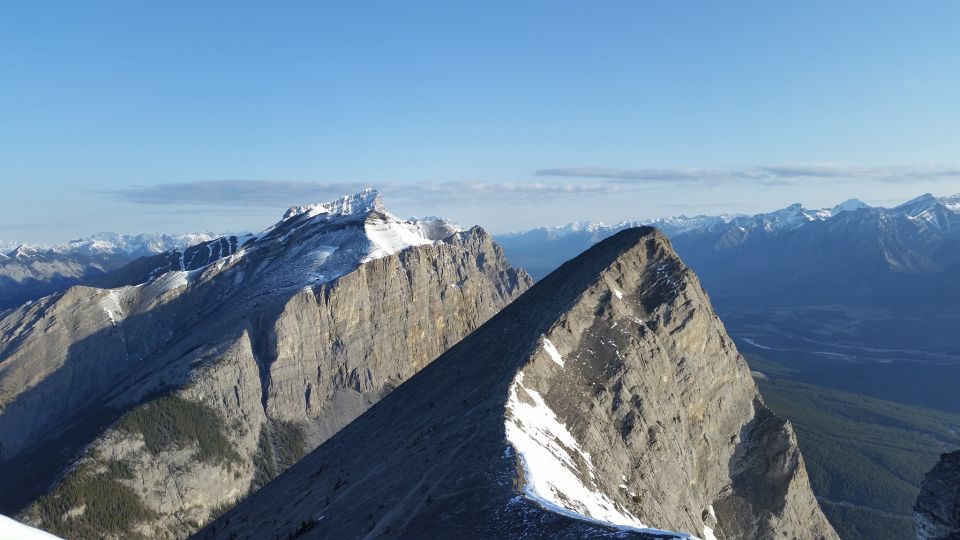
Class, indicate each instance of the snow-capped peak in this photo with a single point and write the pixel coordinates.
(385, 233)
(111, 243)
(849, 205)
(360, 203)
(920, 204)
(311, 246)
(320, 242)
(135, 245)
(23, 251)
(927, 201)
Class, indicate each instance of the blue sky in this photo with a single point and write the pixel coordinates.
(182, 116)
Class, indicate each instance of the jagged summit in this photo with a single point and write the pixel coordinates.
(319, 243)
(605, 402)
(366, 201)
(23, 251)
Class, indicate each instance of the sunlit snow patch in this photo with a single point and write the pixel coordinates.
(391, 236)
(708, 530)
(553, 464)
(14, 530)
(552, 351)
(111, 306)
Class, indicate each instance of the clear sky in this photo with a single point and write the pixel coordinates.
(180, 116)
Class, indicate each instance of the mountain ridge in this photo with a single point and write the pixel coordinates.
(584, 347)
(245, 362)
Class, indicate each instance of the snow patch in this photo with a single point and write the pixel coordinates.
(392, 236)
(707, 529)
(618, 294)
(553, 465)
(552, 351)
(169, 282)
(14, 530)
(111, 306)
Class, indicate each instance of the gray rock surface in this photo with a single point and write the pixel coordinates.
(641, 412)
(173, 399)
(937, 512)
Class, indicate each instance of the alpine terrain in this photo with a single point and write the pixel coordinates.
(28, 272)
(147, 408)
(606, 402)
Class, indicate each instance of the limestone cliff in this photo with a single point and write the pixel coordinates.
(150, 407)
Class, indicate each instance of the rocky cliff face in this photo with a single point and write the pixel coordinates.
(607, 401)
(168, 401)
(937, 512)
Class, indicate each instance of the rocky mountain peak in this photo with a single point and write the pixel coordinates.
(23, 251)
(366, 201)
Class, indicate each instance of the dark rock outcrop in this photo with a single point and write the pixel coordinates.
(937, 512)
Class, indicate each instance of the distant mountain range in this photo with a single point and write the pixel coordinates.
(31, 271)
(852, 251)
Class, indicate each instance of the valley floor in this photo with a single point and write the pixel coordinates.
(866, 457)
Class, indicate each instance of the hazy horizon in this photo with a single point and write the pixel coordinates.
(184, 117)
(8, 242)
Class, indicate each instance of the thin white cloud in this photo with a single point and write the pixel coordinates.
(557, 183)
(273, 193)
(645, 175)
(766, 174)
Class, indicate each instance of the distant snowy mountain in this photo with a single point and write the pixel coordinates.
(112, 243)
(31, 271)
(133, 245)
(789, 218)
(850, 249)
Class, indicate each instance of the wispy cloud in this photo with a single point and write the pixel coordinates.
(560, 182)
(272, 193)
(232, 192)
(643, 175)
(766, 174)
